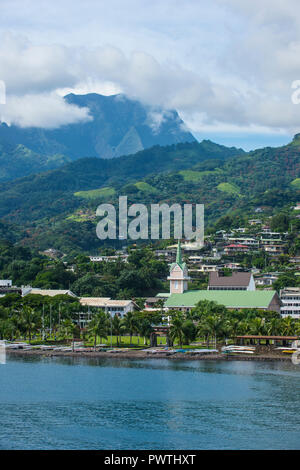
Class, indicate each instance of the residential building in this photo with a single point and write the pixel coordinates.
(297, 207)
(266, 279)
(108, 259)
(235, 248)
(255, 222)
(6, 287)
(290, 298)
(207, 268)
(250, 242)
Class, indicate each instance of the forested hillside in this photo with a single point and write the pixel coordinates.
(57, 208)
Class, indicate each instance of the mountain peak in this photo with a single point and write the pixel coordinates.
(119, 126)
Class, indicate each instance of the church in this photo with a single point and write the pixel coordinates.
(233, 297)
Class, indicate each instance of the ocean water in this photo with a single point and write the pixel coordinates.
(79, 403)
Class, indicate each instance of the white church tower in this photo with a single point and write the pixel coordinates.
(178, 274)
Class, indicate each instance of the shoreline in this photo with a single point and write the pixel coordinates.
(142, 355)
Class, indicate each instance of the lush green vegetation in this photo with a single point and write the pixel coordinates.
(56, 208)
(142, 275)
(95, 193)
(53, 319)
(17, 160)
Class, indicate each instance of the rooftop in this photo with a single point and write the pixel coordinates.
(50, 292)
(103, 302)
(237, 279)
(231, 299)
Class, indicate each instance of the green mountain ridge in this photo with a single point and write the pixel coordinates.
(57, 208)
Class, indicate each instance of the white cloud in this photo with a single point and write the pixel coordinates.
(224, 63)
(41, 110)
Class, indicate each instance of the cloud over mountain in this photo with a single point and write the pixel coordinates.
(221, 64)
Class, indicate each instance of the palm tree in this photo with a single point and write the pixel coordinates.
(177, 328)
(130, 324)
(273, 327)
(29, 320)
(204, 308)
(6, 328)
(215, 326)
(257, 326)
(144, 328)
(287, 326)
(98, 326)
(69, 328)
(117, 328)
(16, 324)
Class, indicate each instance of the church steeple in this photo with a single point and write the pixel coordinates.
(178, 255)
(178, 274)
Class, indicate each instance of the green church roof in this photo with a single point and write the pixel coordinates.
(229, 298)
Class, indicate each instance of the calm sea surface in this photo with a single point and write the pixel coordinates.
(66, 403)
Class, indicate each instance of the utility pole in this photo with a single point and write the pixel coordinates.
(50, 320)
(110, 330)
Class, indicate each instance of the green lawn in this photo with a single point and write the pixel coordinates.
(296, 183)
(229, 188)
(145, 187)
(192, 175)
(96, 193)
(137, 342)
(125, 341)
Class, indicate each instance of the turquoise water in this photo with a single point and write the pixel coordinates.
(78, 403)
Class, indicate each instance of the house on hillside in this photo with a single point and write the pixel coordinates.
(6, 287)
(235, 248)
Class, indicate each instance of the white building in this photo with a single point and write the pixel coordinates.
(5, 283)
(49, 292)
(266, 279)
(113, 307)
(108, 259)
(290, 298)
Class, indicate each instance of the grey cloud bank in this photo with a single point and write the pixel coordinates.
(226, 65)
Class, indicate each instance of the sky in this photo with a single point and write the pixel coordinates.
(229, 67)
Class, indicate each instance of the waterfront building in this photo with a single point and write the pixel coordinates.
(113, 307)
(290, 298)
